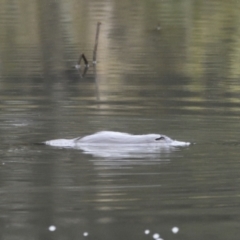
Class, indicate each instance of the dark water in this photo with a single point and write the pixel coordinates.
(181, 79)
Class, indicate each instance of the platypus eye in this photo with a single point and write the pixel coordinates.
(160, 138)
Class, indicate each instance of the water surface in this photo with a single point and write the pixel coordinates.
(181, 80)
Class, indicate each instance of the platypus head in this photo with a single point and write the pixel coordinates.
(163, 139)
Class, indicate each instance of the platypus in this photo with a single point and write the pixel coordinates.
(117, 138)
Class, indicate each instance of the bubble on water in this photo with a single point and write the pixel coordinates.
(147, 231)
(85, 234)
(175, 230)
(52, 228)
(156, 236)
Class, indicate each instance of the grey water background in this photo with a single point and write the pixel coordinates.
(169, 67)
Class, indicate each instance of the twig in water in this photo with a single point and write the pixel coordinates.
(96, 44)
(85, 60)
(78, 65)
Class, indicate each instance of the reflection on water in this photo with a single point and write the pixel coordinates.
(181, 80)
(115, 151)
(193, 59)
(146, 152)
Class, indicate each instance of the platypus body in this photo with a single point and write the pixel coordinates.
(116, 138)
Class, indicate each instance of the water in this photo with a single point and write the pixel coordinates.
(181, 81)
